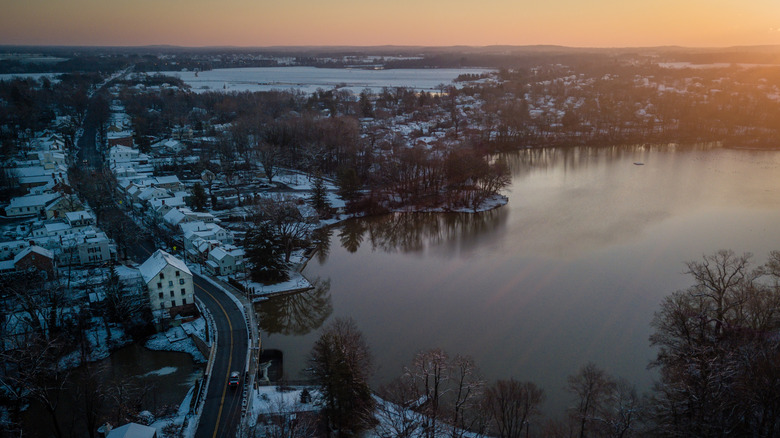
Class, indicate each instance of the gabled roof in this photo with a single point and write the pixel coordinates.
(157, 262)
(33, 248)
(221, 252)
(33, 200)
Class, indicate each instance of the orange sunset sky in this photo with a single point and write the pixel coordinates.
(579, 23)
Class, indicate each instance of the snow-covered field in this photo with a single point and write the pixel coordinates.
(309, 79)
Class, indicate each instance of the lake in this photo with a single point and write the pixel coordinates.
(570, 271)
(309, 79)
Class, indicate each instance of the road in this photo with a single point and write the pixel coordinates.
(222, 409)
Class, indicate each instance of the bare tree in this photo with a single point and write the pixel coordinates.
(429, 373)
(33, 372)
(510, 405)
(395, 410)
(593, 387)
(715, 340)
(467, 388)
(289, 224)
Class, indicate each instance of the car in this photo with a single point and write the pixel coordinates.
(234, 378)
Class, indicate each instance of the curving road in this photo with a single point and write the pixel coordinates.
(222, 408)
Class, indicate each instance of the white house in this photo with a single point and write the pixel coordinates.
(205, 231)
(80, 218)
(30, 205)
(225, 260)
(86, 248)
(122, 154)
(169, 283)
(8, 249)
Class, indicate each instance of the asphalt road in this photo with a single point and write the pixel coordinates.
(222, 409)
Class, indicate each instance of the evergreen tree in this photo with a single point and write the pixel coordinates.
(197, 200)
(341, 364)
(265, 251)
(319, 199)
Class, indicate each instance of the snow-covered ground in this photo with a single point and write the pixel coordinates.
(177, 339)
(101, 341)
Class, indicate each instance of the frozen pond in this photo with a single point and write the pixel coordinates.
(309, 79)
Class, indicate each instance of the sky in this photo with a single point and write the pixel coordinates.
(576, 23)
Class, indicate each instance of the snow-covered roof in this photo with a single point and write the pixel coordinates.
(174, 216)
(133, 430)
(127, 273)
(33, 248)
(78, 215)
(33, 200)
(171, 179)
(199, 226)
(221, 252)
(157, 262)
(53, 227)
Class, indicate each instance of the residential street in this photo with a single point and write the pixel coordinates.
(222, 409)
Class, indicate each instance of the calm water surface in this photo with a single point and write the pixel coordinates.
(570, 271)
(164, 377)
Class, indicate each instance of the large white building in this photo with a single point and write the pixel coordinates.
(169, 284)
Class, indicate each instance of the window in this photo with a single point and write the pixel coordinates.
(170, 282)
(160, 295)
(162, 275)
(177, 273)
(181, 281)
(162, 305)
(183, 291)
(183, 301)
(173, 303)
(172, 294)
(159, 285)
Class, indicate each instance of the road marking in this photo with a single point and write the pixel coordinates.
(230, 357)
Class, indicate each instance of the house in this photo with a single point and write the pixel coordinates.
(122, 154)
(169, 284)
(35, 257)
(30, 205)
(179, 215)
(80, 218)
(89, 247)
(63, 205)
(225, 260)
(206, 231)
(170, 182)
(9, 249)
(117, 137)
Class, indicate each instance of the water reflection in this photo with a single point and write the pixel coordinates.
(570, 271)
(296, 314)
(581, 158)
(415, 232)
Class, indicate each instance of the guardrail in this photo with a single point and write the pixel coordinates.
(253, 338)
(212, 335)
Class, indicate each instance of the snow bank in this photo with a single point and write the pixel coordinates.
(177, 339)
